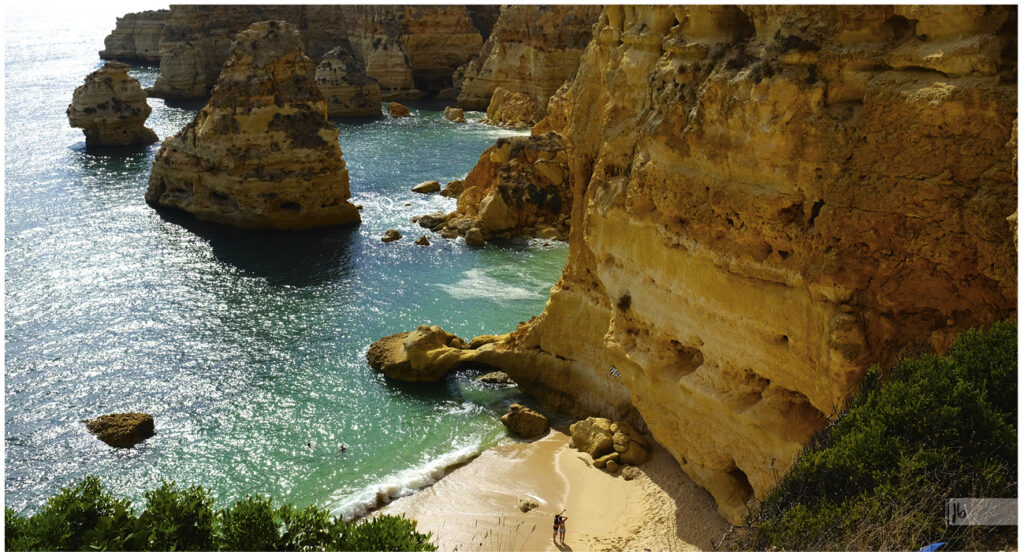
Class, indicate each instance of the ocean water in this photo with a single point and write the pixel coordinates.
(247, 347)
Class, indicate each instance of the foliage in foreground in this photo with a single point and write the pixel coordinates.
(880, 477)
(84, 517)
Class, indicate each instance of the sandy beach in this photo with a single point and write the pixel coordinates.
(477, 506)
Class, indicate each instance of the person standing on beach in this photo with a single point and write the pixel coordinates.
(561, 530)
(558, 524)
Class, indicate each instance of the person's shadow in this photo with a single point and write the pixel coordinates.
(563, 547)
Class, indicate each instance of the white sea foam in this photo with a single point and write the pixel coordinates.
(402, 483)
(477, 284)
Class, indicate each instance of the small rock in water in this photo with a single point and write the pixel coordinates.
(423, 241)
(122, 430)
(391, 235)
(474, 237)
(397, 109)
(408, 204)
(427, 187)
(497, 377)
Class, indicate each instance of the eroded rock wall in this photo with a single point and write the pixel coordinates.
(136, 37)
(766, 200)
(407, 49)
(110, 107)
(261, 153)
(532, 50)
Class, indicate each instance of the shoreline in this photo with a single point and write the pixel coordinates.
(476, 506)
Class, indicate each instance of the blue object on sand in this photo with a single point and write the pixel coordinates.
(932, 546)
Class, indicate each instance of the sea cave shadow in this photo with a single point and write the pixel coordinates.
(283, 258)
(691, 501)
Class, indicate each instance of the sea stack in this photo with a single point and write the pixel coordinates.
(343, 81)
(261, 153)
(111, 108)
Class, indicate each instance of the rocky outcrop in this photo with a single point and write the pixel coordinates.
(391, 235)
(517, 188)
(396, 109)
(513, 110)
(424, 355)
(497, 377)
(610, 443)
(343, 82)
(427, 187)
(110, 107)
(532, 51)
(524, 422)
(121, 430)
(408, 50)
(261, 153)
(136, 37)
(455, 115)
(766, 200)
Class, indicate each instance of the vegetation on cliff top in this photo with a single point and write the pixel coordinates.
(880, 476)
(85, 517)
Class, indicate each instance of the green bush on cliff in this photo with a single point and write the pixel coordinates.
(880, 477)
(86, 518)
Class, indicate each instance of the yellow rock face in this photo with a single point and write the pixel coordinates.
(261, 153)
(136, 37)
(532, 51)
(111, 108)
(766, 200)
(348, 90)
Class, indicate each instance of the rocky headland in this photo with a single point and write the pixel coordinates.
(136, 37)
(110, 107)
(766, 200)
(408, 50)
(531, 52)
(261, 153)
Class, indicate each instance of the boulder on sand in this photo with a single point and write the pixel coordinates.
(525, 422)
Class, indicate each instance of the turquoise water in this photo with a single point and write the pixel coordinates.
(247, 347)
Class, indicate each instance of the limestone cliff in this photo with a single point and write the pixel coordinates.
(765, 201)
(348, 90)
(407, 49)
(261, 153)
(136, 37)
(532, 50)
(111, 108)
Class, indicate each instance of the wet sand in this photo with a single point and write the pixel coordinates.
(477, 506)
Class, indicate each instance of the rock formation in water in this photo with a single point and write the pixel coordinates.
(136, 37)
(409, 50)
(342, 80)
(261, 153)
(513, 109)
(766, 200)
(122, 430)
(454, 114)
(518, 188)
(398, 110)
(110, 107)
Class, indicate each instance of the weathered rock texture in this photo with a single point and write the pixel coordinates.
(525, 422)
(121, 430)
(513, 110)
(519, 187)
(136, 37)
(342, 80)
(609, 442)
(261, 153)
(409, 50)
(767, 200)
(111, 108)
(532, 51)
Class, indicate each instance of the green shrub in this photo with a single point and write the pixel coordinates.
(937, 428)
(85, 517)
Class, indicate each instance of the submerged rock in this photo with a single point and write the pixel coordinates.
(423, 241)
(342, 79)
(121, 430)
(391, 235)
(261, 153)
(111, 108)
(525, 422)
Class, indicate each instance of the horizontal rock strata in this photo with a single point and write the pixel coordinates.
(111, 108)
(765, 201)
(409, 50)
(261, 153)
(342, 80)
(136, 37)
